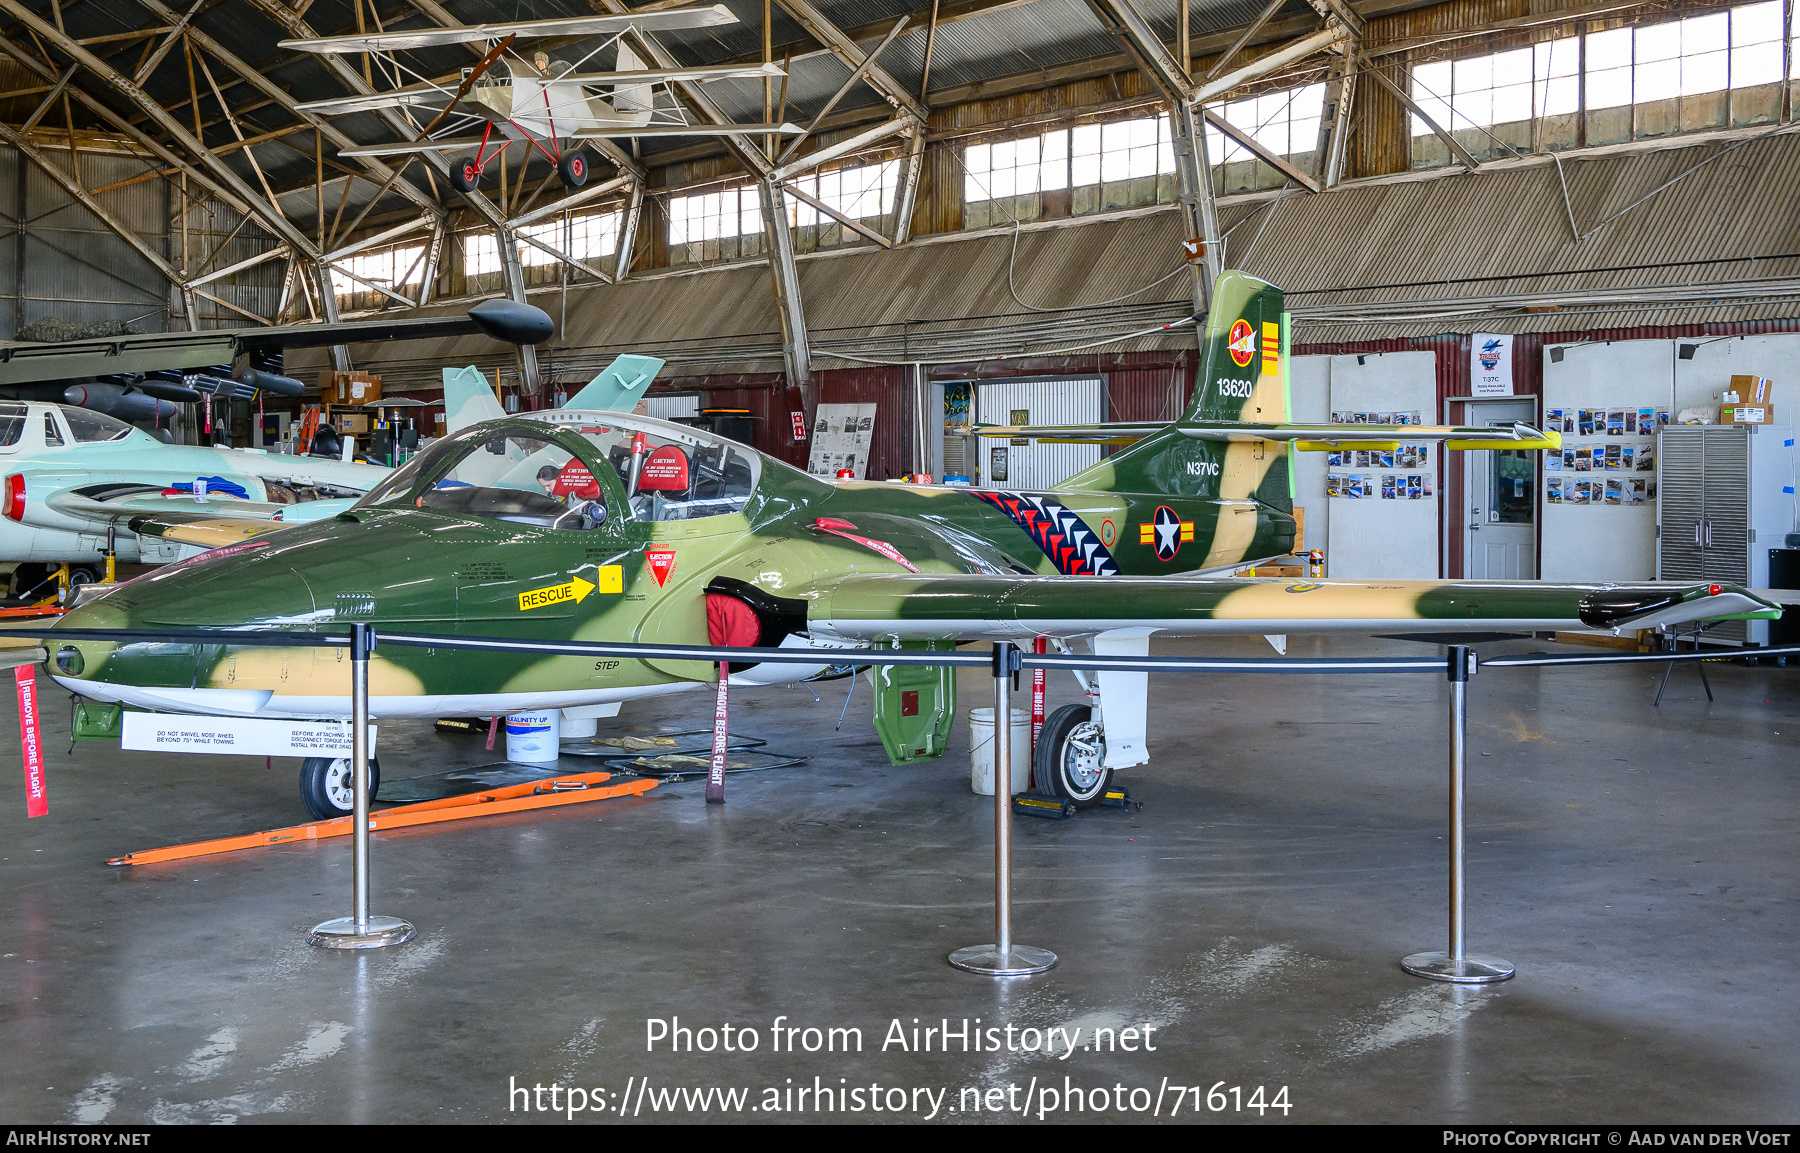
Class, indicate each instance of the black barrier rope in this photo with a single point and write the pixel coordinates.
(870, 656)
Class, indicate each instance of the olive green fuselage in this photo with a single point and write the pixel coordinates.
(425, 571)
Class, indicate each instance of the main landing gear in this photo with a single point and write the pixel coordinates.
(571, 169)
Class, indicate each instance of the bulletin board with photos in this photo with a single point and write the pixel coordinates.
(1402, 473)
(1617, 443)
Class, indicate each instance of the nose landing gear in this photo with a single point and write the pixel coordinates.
(326, 788)
(1070, 758)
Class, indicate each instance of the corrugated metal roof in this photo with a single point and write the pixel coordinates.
(1439, 238)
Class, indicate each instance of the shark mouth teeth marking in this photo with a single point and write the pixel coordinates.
(1070, 544)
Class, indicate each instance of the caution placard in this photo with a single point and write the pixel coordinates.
(254, 736)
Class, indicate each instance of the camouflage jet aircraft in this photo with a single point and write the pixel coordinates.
(610, 527)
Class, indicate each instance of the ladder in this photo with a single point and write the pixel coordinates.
(309, 428)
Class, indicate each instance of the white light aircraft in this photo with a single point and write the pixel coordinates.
(540, 102)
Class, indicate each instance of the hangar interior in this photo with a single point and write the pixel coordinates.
(853, 234)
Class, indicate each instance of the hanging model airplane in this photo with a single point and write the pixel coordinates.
(541, 102)
(608, 527)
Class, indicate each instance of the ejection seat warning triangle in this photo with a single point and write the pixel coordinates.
(610, 577)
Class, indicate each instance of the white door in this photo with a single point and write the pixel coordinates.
(1034, 464)
(1500, 542)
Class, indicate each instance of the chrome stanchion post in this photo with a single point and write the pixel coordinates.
(1003, 958)
(360, 930)
(1454, 964)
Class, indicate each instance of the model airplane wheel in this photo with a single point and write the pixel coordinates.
(1071, 752)
(326, 788)
(465, 177)
(573, 168)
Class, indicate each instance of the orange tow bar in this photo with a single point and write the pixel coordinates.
(573, 790)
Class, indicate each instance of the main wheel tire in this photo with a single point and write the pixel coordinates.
(572, 167)
(465, 177)
(326, 788)
(84, 574)
(1070, 757)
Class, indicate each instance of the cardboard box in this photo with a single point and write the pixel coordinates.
(1752, 389)
(349, 387)
(1746, 414)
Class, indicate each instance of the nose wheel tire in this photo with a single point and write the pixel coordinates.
(573, 169)
(465, 176)
(1070, 757)
(326, 787)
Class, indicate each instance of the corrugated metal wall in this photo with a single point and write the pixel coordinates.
(1070, 400)
(890, 454)
(60, 261)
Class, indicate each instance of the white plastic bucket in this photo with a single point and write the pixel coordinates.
(533, 738)
(981, 751)
(579, 728)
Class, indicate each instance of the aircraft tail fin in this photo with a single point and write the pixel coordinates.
(1243, 354)
(619, 386)
(631, 97)
(468, 398)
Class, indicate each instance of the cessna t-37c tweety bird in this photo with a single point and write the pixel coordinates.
(610, 527)
(534, 99)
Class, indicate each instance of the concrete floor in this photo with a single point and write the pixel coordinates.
(1638, 865)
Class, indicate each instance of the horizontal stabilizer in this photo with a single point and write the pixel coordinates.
(1304, 437)
(1123, 433)
(1327, 437)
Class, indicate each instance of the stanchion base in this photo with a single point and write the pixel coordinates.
(340, 933)
(1468, 971)
(1019, 961)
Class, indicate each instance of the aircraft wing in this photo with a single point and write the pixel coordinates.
(409, 147)
(869, 607)
(422, 94)
(613, 130)
(578, 26)
(27, 362)
(1304, 437)
(662, 75)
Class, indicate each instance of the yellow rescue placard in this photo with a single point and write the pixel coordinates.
(611, 580)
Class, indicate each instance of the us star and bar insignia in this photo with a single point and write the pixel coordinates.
(1165, 532)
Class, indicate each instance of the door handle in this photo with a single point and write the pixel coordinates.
(1708, 524)
(1697, 539)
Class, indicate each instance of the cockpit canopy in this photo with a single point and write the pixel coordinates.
(575, 473)
(57, 425)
